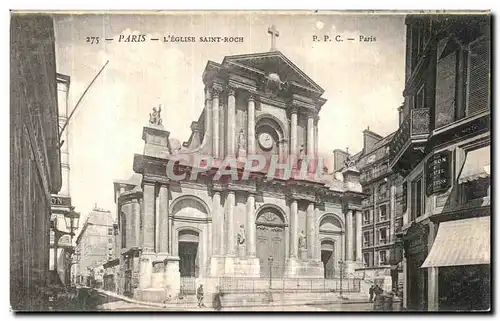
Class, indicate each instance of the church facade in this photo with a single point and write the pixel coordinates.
(215, 226)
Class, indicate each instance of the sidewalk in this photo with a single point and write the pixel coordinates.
(278, 306)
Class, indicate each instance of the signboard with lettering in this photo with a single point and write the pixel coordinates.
(404, 201)
(60, 201)
(438, 172)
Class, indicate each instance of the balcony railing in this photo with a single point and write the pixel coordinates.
(372, 174)
(415, 127)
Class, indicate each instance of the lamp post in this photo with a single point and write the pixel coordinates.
(341, 266)
(270, 260)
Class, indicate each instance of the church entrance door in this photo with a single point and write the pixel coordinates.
(328, 258)
(188, 253)
(271, 242)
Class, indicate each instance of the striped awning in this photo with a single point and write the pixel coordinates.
(461, 242)
(477, 165)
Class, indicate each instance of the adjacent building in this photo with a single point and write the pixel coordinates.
(35, 164)
(382, 218)
(442, 151)
(95, 246)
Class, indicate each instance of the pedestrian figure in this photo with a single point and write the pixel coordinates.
(199, 296)
(217, 300)
(378, 304)
(371, 291)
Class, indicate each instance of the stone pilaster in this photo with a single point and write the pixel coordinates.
(251, 126)
(215, 114)
(164, 229)
(251, 227)
(311, 242)
(230, 239)
(317, 247)
(349, 236)
(148, 224)
(219, 235)
(359, 237)
(293, 131)
(294, 228)
(310, 134)
(231, 122)
(316, 144)
(208, 117)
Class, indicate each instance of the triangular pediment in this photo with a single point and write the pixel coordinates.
(274, 62)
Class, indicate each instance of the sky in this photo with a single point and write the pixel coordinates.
(363, 81)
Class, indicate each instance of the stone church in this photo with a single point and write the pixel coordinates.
(213, 230)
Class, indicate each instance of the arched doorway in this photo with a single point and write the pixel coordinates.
(331, 232)
(270, 225)
(188, 241)
(328, 258)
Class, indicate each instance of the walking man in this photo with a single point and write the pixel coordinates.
(199, 296)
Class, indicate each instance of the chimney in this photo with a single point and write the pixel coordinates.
(369, 139)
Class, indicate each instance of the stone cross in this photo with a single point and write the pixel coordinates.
(274, 34)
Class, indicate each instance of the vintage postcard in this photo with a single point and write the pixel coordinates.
(250, 161)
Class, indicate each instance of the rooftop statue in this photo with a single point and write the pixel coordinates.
(155, 116)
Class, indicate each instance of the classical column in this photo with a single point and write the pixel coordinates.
(163, 232)
(148, 224)
(219, 215)
(316, 144)
(251, 228)
(231, 122)
(310, 134)
(208, 116)
(293, 131)
(310, 231)
(317, 247)
(230, 242)
(215, 114)
(251, 126)
(359, 238)
(294, 228)
(349, 235)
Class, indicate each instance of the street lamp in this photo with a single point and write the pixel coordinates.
(341, 266)
(270, 260)
(72, 220)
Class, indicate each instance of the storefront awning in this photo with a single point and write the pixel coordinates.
(461, 242)
(477, 165)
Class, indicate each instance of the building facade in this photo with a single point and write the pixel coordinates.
(64, 220)
(215, 230)
(442, 151)
(35, 165)
(95, 246)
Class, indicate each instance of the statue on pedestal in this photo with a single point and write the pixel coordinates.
(302, 246)
(241, 241)
(302, 240)
(241, 235)
(242, 147)
(242, 143)
(155, 116)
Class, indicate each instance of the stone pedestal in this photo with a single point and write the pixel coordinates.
(164, 283)
(242, 250)
(293, 268)
(172, 277)
(303, 254)
(216, 266)
(145, 270)
(242, 156)
(156, 141)
(241, 266)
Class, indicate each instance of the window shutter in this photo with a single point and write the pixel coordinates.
(479, 77)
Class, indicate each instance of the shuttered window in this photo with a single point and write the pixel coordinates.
(478, 99)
